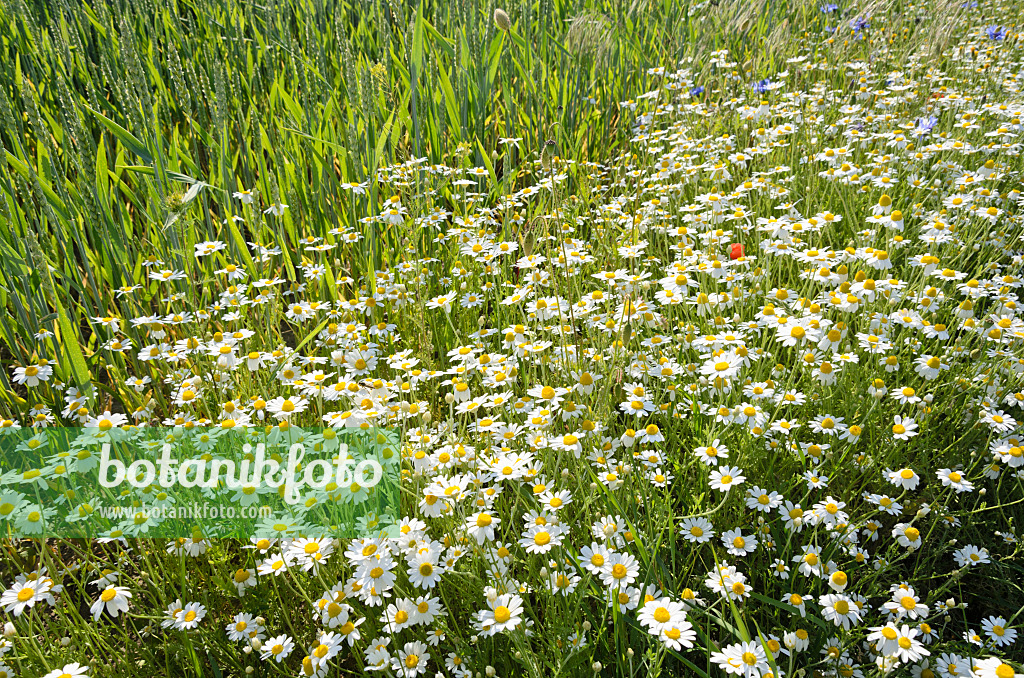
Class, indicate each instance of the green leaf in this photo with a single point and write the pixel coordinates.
(439, 39)
(450, 103)
(129, 140)
(101, 166)
(243, 249)
(741, 626)
(487, 162)
(416, 56)
(494, 58)
(144, 169)
(69, 341)
(518, 39)
(293, 106)
(312, 334)
(214, 665)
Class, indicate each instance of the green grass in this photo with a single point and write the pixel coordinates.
(130, 125)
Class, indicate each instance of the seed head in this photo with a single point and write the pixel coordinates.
(501, 19)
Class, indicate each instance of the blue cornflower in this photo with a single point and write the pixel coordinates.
(925, 125)
(696, 91)
(762, 86)
(859, 24)
(996, 33)
(829, 7)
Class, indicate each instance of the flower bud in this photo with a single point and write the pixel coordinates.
(501, 19)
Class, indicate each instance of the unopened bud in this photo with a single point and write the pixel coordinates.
(501, 19)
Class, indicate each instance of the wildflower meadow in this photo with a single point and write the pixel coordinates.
(544, 339)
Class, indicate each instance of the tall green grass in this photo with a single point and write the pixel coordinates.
(127, 125)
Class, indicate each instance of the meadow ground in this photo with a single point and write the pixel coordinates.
(689, 334)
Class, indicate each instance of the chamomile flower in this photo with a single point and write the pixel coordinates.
(113, 600)
(725, 478)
